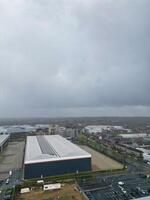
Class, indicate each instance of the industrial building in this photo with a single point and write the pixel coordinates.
(3, 141)
(134, 135)
(49, 155)
(92, 129)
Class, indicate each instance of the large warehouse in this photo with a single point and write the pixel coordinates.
(3, 141)
(49, 155)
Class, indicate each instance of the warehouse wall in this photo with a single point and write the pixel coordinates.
(56, 168)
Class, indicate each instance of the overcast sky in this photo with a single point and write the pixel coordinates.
(74, 58)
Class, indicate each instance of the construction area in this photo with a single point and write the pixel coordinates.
(67, 192)
(100, 161)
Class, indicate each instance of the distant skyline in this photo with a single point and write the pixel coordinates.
(74, 58)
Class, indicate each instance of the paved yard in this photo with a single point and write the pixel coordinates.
(11, 158)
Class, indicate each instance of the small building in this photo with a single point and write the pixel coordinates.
(48, 155)
(3, 141)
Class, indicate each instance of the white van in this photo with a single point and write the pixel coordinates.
(40, 181)
(7, 181)
(24, 190)
(52, 186)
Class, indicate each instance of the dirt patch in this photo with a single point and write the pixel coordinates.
(100, 161)
(67, 192)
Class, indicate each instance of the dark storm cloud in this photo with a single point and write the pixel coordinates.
(74, 57)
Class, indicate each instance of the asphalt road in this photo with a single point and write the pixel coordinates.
(14, 179)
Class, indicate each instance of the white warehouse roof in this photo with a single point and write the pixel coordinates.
(101, 128)
(134, 135)
(3, 139)
(48, 148)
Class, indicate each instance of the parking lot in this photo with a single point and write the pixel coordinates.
(122, 187)
(7, 194)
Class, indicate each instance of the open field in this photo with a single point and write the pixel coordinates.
(67, 192)
(11, 158)
(100, 161)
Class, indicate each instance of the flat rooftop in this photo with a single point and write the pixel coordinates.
(3, 139)
(134, 135)
(48, 148)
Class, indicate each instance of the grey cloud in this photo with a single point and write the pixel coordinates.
(77, 57)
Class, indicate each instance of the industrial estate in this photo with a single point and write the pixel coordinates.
(78, 159)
